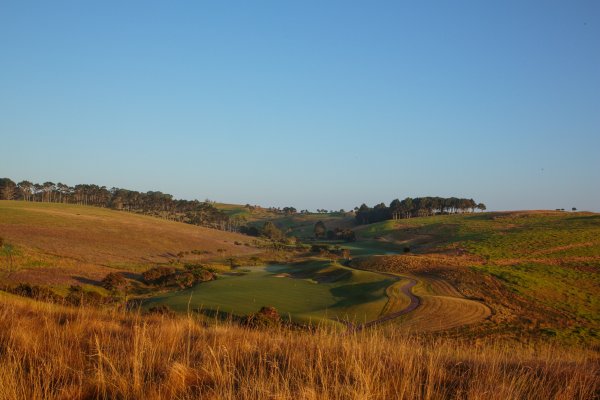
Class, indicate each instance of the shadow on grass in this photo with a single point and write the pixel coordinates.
(86, 281)
(219, 315)
(359, 293)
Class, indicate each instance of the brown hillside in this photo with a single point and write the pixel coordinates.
(70, 240)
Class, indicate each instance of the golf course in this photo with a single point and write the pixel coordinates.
(318, 292)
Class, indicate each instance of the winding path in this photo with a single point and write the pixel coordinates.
(445, 308)
(415, 302)
(393, 295)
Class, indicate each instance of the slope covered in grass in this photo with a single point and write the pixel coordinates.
(61, 243)
(540, 267)
(64, 353)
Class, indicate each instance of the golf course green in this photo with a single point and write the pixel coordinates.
(309, 292)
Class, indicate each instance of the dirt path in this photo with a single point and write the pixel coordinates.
(406, 290)
(445, 308)
(395, 293)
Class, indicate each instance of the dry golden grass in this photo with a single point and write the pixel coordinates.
(51, 352)
(437, 313)
(56, 243)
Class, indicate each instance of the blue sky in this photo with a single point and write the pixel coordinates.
(311, 104)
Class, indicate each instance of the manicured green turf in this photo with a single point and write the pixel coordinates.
(314, 291)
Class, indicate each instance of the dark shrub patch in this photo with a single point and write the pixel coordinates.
(78, 297)
(266, 316)
(36, 292)
(158, 275)
(161, 310)
(114, 282)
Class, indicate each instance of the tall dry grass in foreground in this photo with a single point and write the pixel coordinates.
(50, 352)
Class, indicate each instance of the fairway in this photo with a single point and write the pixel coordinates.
(305, 292)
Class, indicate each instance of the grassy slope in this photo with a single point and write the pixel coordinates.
(61, 244)
(299, 225)
(315, 291)
(551, 260)
(65, 353)
(302, 225)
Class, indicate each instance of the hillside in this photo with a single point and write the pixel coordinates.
(510, 274)
(537, 270)
(62, 244)
(300, 225)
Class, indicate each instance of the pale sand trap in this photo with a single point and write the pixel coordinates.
(282, 275)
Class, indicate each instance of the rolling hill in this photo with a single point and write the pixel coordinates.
(537, 270)
(61, 244)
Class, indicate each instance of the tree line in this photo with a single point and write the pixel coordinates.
(415, 207)
(153, 203)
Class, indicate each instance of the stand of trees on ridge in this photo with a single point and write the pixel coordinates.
(156, 204)
(417, 207)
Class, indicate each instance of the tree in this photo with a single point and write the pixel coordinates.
(574, 209)
(320, 230)
(8, 189)
(362, 214)
(289, 210)
(25, 190)
(481, 207)
(396, 209)
(48, 190)
(270, 231)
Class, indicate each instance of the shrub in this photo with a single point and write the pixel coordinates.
(161, 309)
(204, 275)
(266, 316)
(114, 281)
(183, 280)
(158, 275)
(168, 276)
(320, 248)
(78, 296)
(36, 292)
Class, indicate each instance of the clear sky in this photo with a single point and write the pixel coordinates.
(313, 104)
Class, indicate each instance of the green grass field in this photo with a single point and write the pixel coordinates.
(550, 259)
(316, 291)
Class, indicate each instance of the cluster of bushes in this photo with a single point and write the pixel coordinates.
(170, 276)
(36, 292)
(269, 230)
(347, 235)
(115, 282)
(327, 250)
(265, 317)
(77, 296)
(161, 309)
(321, 232)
